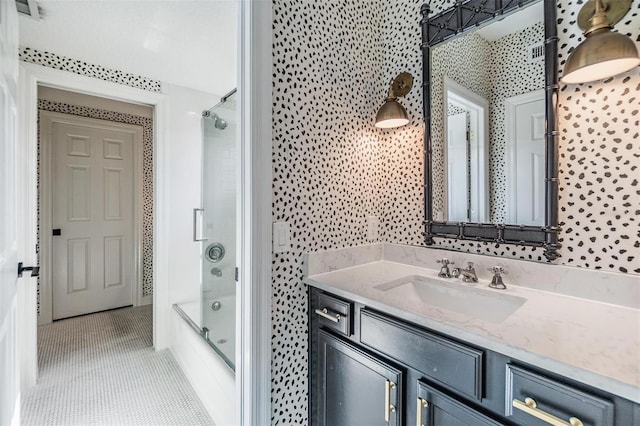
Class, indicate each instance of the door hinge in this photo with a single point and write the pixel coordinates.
(236, 273)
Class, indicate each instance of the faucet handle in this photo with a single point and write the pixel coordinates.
(496, 281)
(444, 269)
(497, 270)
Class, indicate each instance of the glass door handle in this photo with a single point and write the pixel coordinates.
(197, 225)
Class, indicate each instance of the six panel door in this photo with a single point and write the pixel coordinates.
(92, 202)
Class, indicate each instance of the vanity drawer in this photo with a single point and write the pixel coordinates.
(453, 365)
(334, 313)
(535, 400)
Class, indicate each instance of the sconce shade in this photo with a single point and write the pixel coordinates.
(602, 54)
(391, 114)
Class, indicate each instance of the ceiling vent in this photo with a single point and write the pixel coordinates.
(29, 8)
(535, 53)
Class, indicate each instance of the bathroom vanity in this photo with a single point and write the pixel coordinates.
(392, 343)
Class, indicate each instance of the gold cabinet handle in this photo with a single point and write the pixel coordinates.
(388, 407)
(530, 407)
(324, 313)
(422, 404)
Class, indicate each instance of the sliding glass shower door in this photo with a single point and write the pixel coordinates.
(219, 192)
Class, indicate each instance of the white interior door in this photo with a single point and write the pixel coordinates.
(93, 208)
(457, 188)
(529, 186)
(9, 359)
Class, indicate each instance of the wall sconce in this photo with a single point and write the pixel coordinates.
(391, 114)
(603, 53)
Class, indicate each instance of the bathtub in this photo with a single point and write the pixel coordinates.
(219, 317)
(210, 375)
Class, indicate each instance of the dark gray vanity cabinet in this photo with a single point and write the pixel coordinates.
(369, 368)
(355, 388)
(435, 408)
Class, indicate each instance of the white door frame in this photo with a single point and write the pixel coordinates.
(32, 75)
(46, 200)
(253, 372)
(480, 107)
(510, 105)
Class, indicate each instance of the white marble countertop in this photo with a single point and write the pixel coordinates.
(588, 341)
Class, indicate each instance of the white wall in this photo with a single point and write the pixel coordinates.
(184, 112)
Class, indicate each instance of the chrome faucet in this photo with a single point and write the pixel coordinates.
(468, 275)
(496, 281)
(444, 269)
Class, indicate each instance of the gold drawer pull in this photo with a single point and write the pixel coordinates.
(324, 313)
(388, 407)
(530, 407)
(422, 404)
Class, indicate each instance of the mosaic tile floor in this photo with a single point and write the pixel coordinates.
(100, 369)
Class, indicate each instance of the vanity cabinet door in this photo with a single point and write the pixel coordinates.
(434, 408)
(354, 388)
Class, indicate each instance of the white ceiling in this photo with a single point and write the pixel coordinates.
(517, 21)
(191, 43)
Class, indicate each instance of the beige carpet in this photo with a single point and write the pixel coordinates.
(100, 369)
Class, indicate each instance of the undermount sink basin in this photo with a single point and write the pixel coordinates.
(487, 305)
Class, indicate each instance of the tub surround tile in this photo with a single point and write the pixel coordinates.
(579, 337)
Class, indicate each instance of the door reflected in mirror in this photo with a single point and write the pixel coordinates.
(488, 117)
(466, 141)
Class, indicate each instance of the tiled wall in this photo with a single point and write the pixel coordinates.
(332, 64)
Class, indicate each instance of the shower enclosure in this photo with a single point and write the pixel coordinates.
(214, 227)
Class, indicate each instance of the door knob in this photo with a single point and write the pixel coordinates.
(35, 270)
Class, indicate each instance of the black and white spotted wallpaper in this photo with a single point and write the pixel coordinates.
(326, 160)
(51, 60)
(332, 64)
(509, 54)
(466, 61)
(486, 67)
(147, 175)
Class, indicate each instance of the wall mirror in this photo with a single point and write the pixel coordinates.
(490, 90)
